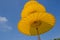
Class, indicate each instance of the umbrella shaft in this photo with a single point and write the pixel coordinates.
(38, 34)
(38, 37)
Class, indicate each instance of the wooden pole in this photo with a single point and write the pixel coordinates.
(38, 34)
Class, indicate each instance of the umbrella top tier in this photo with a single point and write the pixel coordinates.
(32, 7)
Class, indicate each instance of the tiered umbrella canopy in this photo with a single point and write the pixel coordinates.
(35, 20)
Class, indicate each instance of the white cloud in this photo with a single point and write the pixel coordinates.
(3, 24)
(5, 28)
(3, 19)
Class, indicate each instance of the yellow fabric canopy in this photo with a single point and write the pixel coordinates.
(32, 7)
(43, 21)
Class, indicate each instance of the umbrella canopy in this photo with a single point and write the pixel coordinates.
(32, 7)
(41, 21)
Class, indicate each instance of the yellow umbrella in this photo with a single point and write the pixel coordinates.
(37, 22)
(32, 7)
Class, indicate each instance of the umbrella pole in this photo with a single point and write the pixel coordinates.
(38, 34)
(38, 37)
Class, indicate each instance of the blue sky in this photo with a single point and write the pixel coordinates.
(10, 15)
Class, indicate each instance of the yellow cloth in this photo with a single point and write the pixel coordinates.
(32, 7)
(27, 27)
